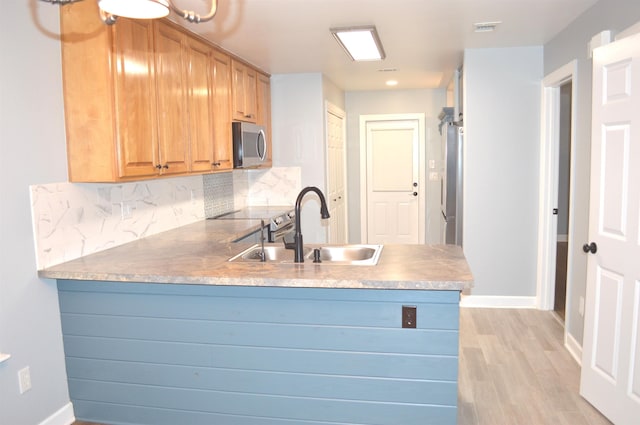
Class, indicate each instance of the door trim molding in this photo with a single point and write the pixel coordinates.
(547, 224)
(330, 108)
(364, 119)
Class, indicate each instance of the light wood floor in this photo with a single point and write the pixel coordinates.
(514, 370)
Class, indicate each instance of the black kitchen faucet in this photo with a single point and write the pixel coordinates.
(297, 238)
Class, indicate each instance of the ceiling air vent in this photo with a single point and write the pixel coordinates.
(486, 26)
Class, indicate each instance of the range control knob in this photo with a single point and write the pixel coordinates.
(278, 220)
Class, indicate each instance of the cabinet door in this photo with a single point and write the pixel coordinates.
(263, 97)
(171, 86)
(200, 105)
(244, 92)
(135, 98)
(222, 143)
(250, 87)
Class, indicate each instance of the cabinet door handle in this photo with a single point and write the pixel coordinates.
(159, 167)
(215, 164)
(165, 166)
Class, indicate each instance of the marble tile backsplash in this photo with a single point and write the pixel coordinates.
(71, 220)
(232, 191)
(274, 186)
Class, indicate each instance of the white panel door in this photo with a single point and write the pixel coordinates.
(394, 189)
(336, 164)
(611, 350)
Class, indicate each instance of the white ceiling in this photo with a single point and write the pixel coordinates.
(423, 39)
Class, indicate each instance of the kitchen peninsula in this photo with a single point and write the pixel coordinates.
(165, 330)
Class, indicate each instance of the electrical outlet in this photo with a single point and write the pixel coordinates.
(24, 380)
(409, 316)
(581, 307)
(127, 210)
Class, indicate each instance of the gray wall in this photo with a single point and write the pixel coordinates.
(297, 111)
(570, 44)
(429, 102)
(564, 159)
(502, 126)
(32, 150)
(332, 93)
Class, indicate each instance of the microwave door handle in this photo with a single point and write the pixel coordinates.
(263, 148)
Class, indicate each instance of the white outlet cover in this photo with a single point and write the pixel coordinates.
(24, 380)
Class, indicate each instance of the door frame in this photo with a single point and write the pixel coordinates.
(364, 119)
(549, 163)
(330, 108)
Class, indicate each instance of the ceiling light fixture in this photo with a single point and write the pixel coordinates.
(143, 9)
(392, 83)
(360, 43)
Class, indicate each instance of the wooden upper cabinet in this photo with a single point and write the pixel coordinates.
(171, 87)
(200, 99)
(145, 98)
(109, 95)
(263, 100)
(244, 87)
(135, 99)
(221, 93)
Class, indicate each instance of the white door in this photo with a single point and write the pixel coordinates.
(611, 351)
(336, 164)
(394, 180)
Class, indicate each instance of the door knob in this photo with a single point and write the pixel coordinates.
(415, 193)
(590, 247)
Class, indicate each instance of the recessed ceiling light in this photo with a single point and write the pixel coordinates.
(360, 43)
(392, 83)
(486, 26)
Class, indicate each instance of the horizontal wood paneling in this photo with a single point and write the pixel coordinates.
(383, 365)
(127, 414)
(262, 292)
(277, 355)
(245, 309)
(307, 385)
(269, 406)
(316, 337)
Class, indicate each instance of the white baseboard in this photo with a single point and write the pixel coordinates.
(64, 416)
(574, 348)
(493, 301)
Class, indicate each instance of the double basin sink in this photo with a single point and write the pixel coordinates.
(355, 255)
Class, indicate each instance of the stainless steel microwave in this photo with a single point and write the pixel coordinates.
(249, 145)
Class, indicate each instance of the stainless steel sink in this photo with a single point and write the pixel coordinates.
(272, 253)
(355, 255)
(364, 255)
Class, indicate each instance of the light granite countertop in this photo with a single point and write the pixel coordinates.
(198, 253)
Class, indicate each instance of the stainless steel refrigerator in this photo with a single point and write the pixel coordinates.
(451, 181)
